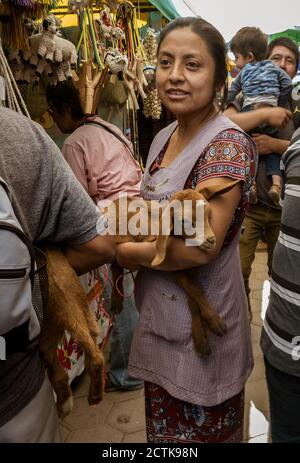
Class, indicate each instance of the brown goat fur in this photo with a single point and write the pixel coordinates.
(68, 309)
(68, 305)
(204, 317)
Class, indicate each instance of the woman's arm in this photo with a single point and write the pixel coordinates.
(180, 256)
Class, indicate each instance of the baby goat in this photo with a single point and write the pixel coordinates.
(204, 317)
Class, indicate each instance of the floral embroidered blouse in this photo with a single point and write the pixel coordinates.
(229, 154)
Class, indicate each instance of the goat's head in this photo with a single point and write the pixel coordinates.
(181, 218)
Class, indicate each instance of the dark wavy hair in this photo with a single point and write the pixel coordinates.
(65, 95)
(214, 42)
(250, 40)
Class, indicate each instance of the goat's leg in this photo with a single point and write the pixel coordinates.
(209, 315)
(94, 364)
(57, 375)
(92, 323)
(94, 359)
(199, 329)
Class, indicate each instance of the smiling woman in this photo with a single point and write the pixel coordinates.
(189, 396)
(182, 77)
(192, 75)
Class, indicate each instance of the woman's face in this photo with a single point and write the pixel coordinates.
(185, 73)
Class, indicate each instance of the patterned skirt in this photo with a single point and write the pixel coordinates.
(172, 420)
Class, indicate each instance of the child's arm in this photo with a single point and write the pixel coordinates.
(285, 83)
(235, 89)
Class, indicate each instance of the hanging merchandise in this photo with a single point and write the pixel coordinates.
(10, 95)
(13, 30)
(45, 53)
(152, 103)
(110, 35)
(92, 70)
(76, 6)
(134, 78)
(111, 39)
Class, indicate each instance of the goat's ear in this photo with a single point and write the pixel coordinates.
(210, 191)
(166, 226)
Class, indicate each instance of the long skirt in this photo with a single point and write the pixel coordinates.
(171, 420)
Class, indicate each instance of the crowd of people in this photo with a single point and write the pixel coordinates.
(189, 397)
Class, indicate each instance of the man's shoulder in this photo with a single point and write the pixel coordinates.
(19, 129)
(296, 136)
(11, 119)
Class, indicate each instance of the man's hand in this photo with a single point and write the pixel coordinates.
(267, 145)
(264, 143)
(277, 117)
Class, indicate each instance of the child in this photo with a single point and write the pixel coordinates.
(262, 84)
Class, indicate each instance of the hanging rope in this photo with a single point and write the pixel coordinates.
(13, 94)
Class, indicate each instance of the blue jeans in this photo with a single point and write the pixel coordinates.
(121, 336)
(273, 160)
(273, 164)
(284, 397)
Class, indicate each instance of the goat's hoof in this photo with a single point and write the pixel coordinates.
(95, 394)
(209, 243)
(206, 350)
(65, 408)
(202, 347)
(95, 398)
(218, 327)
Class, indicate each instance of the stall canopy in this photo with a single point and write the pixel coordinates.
(173, 9)
(229, 16)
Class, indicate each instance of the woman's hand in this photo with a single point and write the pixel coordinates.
(134, 255)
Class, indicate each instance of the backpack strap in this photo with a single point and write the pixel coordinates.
(108, 129)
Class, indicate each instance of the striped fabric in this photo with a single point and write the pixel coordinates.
(280, 339)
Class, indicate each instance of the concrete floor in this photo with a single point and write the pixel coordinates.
(120, 416)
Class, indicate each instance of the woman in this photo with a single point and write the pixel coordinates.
(189, 397)
(101, 159)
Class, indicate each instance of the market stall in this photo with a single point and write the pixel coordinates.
(105, 57)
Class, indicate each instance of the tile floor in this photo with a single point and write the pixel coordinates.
(120, 416)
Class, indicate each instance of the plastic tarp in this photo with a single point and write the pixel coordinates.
(167, 8)
(293, 34)
(172, 9)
